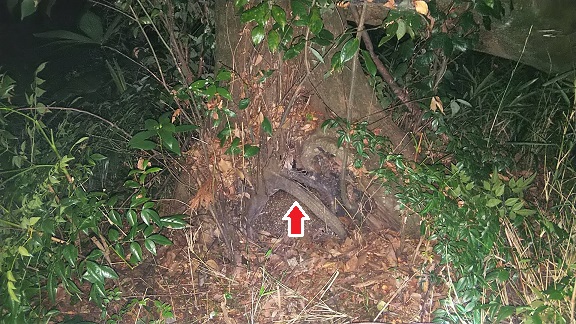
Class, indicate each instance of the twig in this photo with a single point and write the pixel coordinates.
(398, 91)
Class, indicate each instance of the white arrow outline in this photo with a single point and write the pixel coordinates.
(295, 204)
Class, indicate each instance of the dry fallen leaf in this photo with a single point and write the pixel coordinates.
(175, 114)
(421, 7)
(204, 197)
(436, 103)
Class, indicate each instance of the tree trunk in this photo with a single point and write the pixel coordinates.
(293, 90)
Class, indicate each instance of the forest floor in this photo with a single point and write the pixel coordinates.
(368, 277)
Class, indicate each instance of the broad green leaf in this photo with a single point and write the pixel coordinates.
(98, 157)
(244, 103)
(115, 218)
(293, 51)
(511, 201)
(67, 36)
(370, 66)
(151, 125)
(316, 54)
(150, 215)
(97, 291)
(240, 3)
(108, 272)
(279, 15)
(315, 21)
(70, 254)
(401, 31)
(150, 246)
(185, 128)
(152, 170)
(23, 251)
(454, 107)
(10, 275)
(91, 25)
(27, 8)
(172, 144)
(320, 41)
(493, 202)
(132, 217)
(199, 84)
(113, 235)
(52, 287)
(385, 39)
(11, 289)
(140, 140)
(136, 251)
(267, 126)
(299, 9)
(33, 221)
(258, 34)
(131, 184)
(273, 40)
(160, 239)
(326, 34)
(223, 92)
(224, 75)
(250, 150)
(348, 50)
(173, 222)
(93, 273)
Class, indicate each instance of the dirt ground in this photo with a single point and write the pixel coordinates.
(369, 277)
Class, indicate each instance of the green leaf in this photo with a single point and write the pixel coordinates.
(316, 54)
(267, 126)
(11, 289)
(113, 235)
(493, 202)
(315, 21)
(131, 184)
(91, 25)
(370, 66)
(67, 36)
(251, 14)
(273, 40)
(23, 251)
(348, 50)
(108, 272)
(115, 218)
(174, 222)
(27, 8)
(279, 15)
(97, 291)
(244, 103)
(385, 39)
(136, 251)
(131, 217)
(293, 51)
(150, 215)
(140, 140)
(150, 246)
(151, 125)
(250, 150)
(185, 128)
(70, 254)
(223, 92)
(401, 31)
(160, 239)
(52, 287)
(172, 144)
(258, 34)
(224, 75)
(93, 273)
(299, 9)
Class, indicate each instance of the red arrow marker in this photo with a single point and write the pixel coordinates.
(295, 217)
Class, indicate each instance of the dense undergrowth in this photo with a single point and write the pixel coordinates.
(495, 187)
